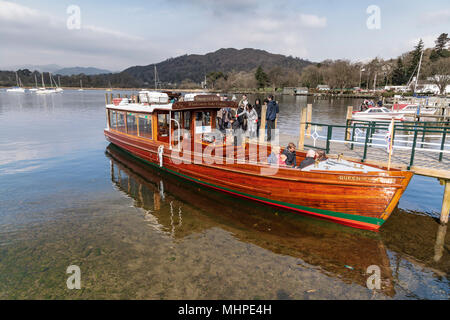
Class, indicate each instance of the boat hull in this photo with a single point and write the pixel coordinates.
(361, 202)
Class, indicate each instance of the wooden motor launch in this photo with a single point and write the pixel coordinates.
(180, 137)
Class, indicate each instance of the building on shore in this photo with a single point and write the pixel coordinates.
(295, 90)
(323, 87)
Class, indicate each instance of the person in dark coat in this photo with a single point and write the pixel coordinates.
(291, 159)
(271, 115)
(309, 160)
(258, 109)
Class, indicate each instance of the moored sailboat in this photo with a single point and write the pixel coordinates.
(19, 88)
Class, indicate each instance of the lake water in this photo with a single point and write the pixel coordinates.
(67, 197)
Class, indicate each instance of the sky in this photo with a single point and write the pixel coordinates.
(115, 35)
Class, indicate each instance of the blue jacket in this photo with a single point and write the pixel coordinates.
(272, 110)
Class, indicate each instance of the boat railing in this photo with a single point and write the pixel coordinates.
(407, 135)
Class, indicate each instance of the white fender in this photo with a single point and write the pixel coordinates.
(160, 155)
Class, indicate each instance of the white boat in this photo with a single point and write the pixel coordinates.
(18, 88)
(81, 86)
(57, 87)
(411, 109)
(45, 90)
(36, 87)
(377, 114)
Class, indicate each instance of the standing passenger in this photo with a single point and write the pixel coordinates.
(258, 109)
(272, 110)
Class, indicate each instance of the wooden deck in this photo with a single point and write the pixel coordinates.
(424, 164)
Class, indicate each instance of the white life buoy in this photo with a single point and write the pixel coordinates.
(160, 155)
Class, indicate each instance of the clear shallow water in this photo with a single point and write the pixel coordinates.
(63, 202)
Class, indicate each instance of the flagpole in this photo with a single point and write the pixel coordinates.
(391, 144)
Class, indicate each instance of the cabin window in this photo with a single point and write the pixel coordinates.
(112, 119)
(163, 124)
(145, 126)
(131, 124)
(187, 120)
(121, 121)
(203, 122)
(176, 126)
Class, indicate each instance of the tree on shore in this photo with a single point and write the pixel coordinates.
(311, 76)
(398, 75)
(341, 75)
(415, 58)
(439, 73)
(261, 78)
(440, 50)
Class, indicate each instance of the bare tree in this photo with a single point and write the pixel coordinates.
(439, 73)
(341, 74)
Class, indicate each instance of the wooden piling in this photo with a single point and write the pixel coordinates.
(308, 118)
(301, 139)
(440, 242)
(262, 127)
(106, 98)
(445, 202)
(348, 117)
(111, 97)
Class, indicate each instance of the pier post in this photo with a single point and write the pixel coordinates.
(106, 98)
(308, 118)
(262, 127)
(349, 117)
(301, 139)
(440, 241)
(445, 202)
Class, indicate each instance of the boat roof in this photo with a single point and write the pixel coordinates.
(200, 102)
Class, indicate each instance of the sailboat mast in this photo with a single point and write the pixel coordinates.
(35, 79)
(17, 79)
(43, 85)
(418, 72)
(155, 78)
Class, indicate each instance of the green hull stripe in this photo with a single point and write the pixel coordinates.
(371, 220)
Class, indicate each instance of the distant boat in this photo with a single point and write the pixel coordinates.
(58, 87)
(36, 87)
(377, 114)
(44, 90)
(18, 88)
(81, 85)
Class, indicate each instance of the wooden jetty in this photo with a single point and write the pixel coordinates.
(413, 155)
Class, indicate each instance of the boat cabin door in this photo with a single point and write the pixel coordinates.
(163, 127)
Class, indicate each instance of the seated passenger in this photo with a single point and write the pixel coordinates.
(274, 157)
(309, 160)
(282, 160)
(291, 160)
(321, 156)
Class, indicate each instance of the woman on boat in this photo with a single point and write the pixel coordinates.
(274, 157)
(252, 119)
(258, 109)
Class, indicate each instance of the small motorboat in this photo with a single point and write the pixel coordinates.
(378, 114)
(16, 90)
(411, 109)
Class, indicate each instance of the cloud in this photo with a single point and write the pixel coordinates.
(31, 36)
(436, 17)
(313, 21)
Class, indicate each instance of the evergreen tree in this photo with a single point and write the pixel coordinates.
(398, 75)
(441, 42)
(415, 58)
(261, 78)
